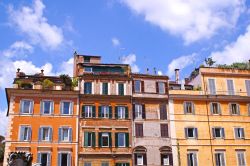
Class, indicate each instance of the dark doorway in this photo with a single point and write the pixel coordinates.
(44, 159)
(64, 159)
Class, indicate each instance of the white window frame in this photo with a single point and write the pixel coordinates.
(237, 108)
(30, 106)
(27, 136)
(240, 130)
(65, 128)
(105, 111)
(50, 109)
(194, 133)
(138, 111)
(141, 156)
(71, 107)
(244, 157)
(166, 161)
(218, 108)
(43, 133)
(163, 84)
(222, 153)
(88, 111)
(214, 86)
(139, 86)
(68, 153)
(195, 153)
(105, 135)
(121, 111)
(48, 157)
(192, 107)
(124, 140)
(221, 133)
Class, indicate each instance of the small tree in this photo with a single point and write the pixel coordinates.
(209, 62)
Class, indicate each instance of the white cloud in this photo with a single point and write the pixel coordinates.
(3, 122)
(115, 42)
(66, 67)
(191, 19)
(181, 63)
(159, 73)
(8, 70)
(31, 22)
(237, 51)
(130, 59)
(18, 48)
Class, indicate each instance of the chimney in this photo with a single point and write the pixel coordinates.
(18, 73)
(177, 75)
(42, 74)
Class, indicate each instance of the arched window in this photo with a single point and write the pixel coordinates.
(166, 156)
(140, 155)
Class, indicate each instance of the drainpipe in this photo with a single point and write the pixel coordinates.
(179, 156)
(209, 127)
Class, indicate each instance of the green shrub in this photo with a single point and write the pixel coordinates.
(47, 84)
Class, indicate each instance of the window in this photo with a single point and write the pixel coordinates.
(26, 106)
(121, 164)
(25, 133)
(230, 87)
(248, 87)
(121, 112)
(138, 111)
(164, 130)
(139, 159)
(45, 134)
(65, 134)
(105, 88)
(105, 164)
(121, 89)
(105, 139)
(241, 158)
(105, 111)
(88, 111)
(163, 112)
(239, 133)
(165, 159)
(89, 139)
(191, 132)
(234, 108)
(212, 88)
(219, 159)
(87, 87)
(138, 130)
(121, 139)
(218, 132)
(215, 108)
(44, 159)
(137, 86)
(86, 59)
(161, 87)
(192, 159)
(64, 159)
(66, 108)
(87, 164)
(188, 107)
(88, 69)
(47, 107)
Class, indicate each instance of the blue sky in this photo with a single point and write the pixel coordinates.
(165, 34)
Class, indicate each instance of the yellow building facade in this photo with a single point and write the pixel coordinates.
(209, 118)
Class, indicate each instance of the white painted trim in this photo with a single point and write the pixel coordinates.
(125, 88)
(109, 89)
(101, 88)
(93, 87)
(116, 89)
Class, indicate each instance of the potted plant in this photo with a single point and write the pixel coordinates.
(17, 84)
(75, 84)
(47, 84)
(67, 81)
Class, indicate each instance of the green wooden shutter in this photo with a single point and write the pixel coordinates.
(99, 111)
(93, 111)
(110, 139)
(110, 112)
(93, 139)
(116, 112)
(100, 139)
(86, 139)
(126, 112)
(116, 139)
(83, 111)
(127, 139)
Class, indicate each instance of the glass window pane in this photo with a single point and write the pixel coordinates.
(121, 139)
(161, 87)
(47, 107)
(66, 107)
(137, 86)
(26, 106)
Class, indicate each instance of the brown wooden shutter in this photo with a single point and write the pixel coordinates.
(135, 158)
(142, 86)
(164, 130)
(163, 112)
(133, 86)
(157, 87)
(166, 87)
(139, 130)
(143, 112)
(144, 159)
